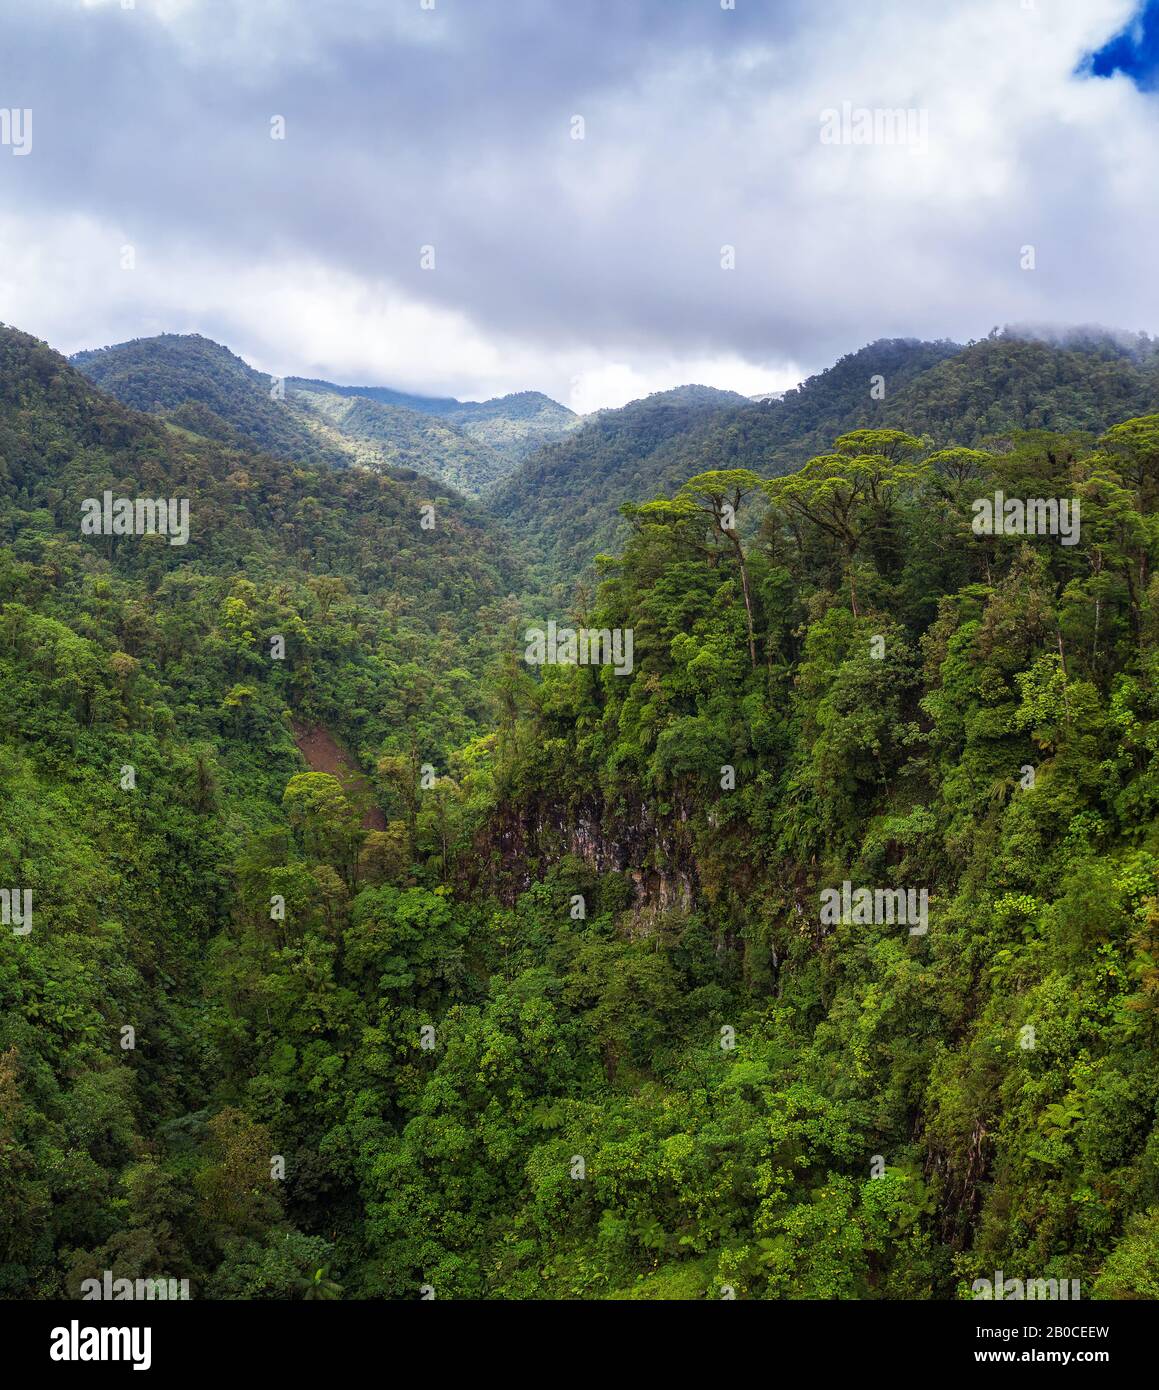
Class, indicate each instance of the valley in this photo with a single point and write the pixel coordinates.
(818, 917)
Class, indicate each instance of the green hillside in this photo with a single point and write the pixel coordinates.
(202, 386)
(941, 391)
(564, 500)
(560, 1014)
(508, 427)
(389, 437)
(512, 426)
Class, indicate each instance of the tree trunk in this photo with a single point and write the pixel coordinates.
(748, 605)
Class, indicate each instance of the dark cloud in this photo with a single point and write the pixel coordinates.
(451, 127)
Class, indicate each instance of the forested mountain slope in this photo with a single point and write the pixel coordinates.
(199, 385)
(940, 390)
(564, 500)
(390, 437)
(575, 1024)
(202, 386)
(145, 752)
(511, 425)
(1005, 382)
(761, 1099)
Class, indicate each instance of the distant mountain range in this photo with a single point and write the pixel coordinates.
(197, 384)
(63, 439)
(470, 445)
(559, 481)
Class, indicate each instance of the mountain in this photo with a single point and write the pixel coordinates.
(514, 425)
(894, 789)
(511, 425)
(384, 395)
(1007, 382)
(532, 982)
(257, 520)
(560, 480)
(693, 394)
(199, 385)
(950, 393)
(391, 437)
(154, 701)
(565, 499)
(471, 445)
(566, 496)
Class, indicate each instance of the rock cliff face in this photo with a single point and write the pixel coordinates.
(654, 852)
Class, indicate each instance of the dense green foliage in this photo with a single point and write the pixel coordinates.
(126, 652)
(566, 498)
(201, 385)
(515, 425)
(572, 1025)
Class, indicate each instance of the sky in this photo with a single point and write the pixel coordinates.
(734, 213)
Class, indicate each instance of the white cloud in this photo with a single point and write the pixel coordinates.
(303, 319)
(588, 269)
(616, 383)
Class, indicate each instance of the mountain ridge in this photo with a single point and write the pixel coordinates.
(181, 376)
(952, 393)
(561, 479)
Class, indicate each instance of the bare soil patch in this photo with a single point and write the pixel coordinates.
(324, 753)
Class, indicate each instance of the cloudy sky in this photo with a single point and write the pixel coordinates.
(587, 268)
